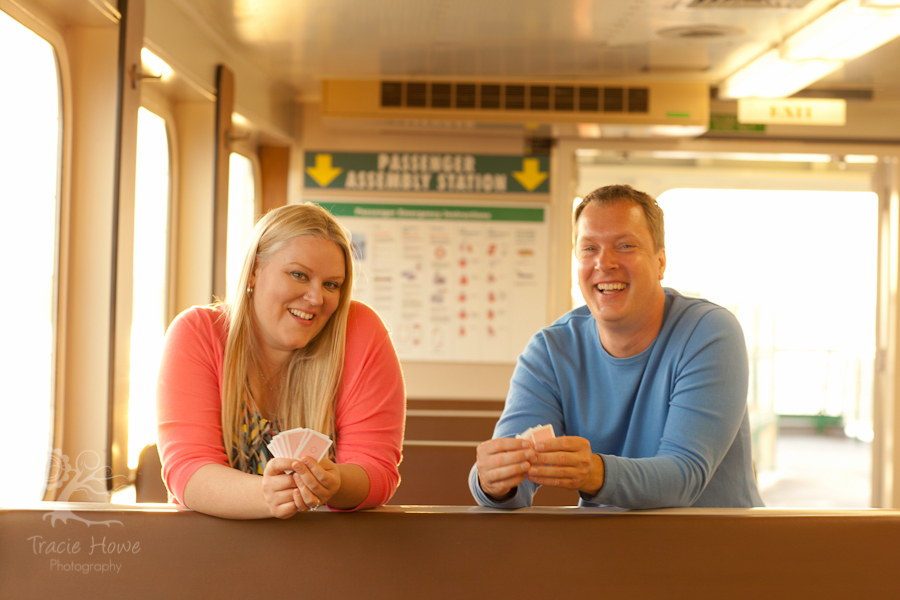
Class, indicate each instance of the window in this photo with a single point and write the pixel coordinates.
(151, 290)
(799, 273)
(29, 195)
(241, 217)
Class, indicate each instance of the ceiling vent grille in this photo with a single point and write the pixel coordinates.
(491, 96)
(547, 102)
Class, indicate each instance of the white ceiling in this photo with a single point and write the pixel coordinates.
(301, 42)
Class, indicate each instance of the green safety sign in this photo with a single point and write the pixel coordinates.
(431, 212)
(728, 122)
(427, 172)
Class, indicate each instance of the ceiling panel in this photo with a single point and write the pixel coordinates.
(302, 42)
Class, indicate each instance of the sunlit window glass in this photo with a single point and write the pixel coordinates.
(577, 298)
(241, 217)
(29, 149)
(772, 258)
(149, 316)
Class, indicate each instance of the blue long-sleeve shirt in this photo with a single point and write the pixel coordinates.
(670, 423)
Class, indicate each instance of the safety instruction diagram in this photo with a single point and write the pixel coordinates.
(454, 283)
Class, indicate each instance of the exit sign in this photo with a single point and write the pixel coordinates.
(790, 111)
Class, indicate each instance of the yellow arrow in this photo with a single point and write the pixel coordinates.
(531, 175)
(323, 172)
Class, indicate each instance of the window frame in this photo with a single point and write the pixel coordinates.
(248, 151)
(56, 41)
(120, 435)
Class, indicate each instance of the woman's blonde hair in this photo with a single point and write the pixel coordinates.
(313, 373)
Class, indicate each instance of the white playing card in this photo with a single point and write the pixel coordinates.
(299, 442)
(542, 433)
(295, 440)
(280, 445)
(315, 446)
(537, 434)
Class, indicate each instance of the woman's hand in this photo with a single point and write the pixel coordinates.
(279, 488)
(316, 482)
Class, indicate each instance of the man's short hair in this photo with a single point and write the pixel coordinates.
(609, 194)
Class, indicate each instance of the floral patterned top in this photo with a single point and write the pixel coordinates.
(256, 433)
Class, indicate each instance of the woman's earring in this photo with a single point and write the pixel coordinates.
(249, 292)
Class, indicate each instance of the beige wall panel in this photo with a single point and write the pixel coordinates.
(194, 50)
(456, 381)
(92, 57)
(195, 122)
(358, 135)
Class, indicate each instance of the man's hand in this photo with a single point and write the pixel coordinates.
(503, 463)
(567, 462)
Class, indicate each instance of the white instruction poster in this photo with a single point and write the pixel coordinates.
(454, 283)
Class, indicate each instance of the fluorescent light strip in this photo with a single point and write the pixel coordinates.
(743, 156)
(861, 159)
(770, 76)
(843, 33)
(155, 65)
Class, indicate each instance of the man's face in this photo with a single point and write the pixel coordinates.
(618, 269)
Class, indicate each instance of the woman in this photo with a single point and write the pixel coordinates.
(291, 351)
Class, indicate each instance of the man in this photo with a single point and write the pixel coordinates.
(646, 389)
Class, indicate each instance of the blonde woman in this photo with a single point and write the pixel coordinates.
(292, 350)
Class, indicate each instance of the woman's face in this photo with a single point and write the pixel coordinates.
(294, 294)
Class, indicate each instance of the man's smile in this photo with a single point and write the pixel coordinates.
(611, 288)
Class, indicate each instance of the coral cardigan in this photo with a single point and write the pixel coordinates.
(369, 414)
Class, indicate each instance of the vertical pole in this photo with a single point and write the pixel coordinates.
(224, 109)
(131, 40)
(563, 185)
(885, 479)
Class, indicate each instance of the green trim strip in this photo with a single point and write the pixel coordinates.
(432, 212)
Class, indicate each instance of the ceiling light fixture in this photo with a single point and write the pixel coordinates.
(771, 76)
(156, 66)
(847, 31)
